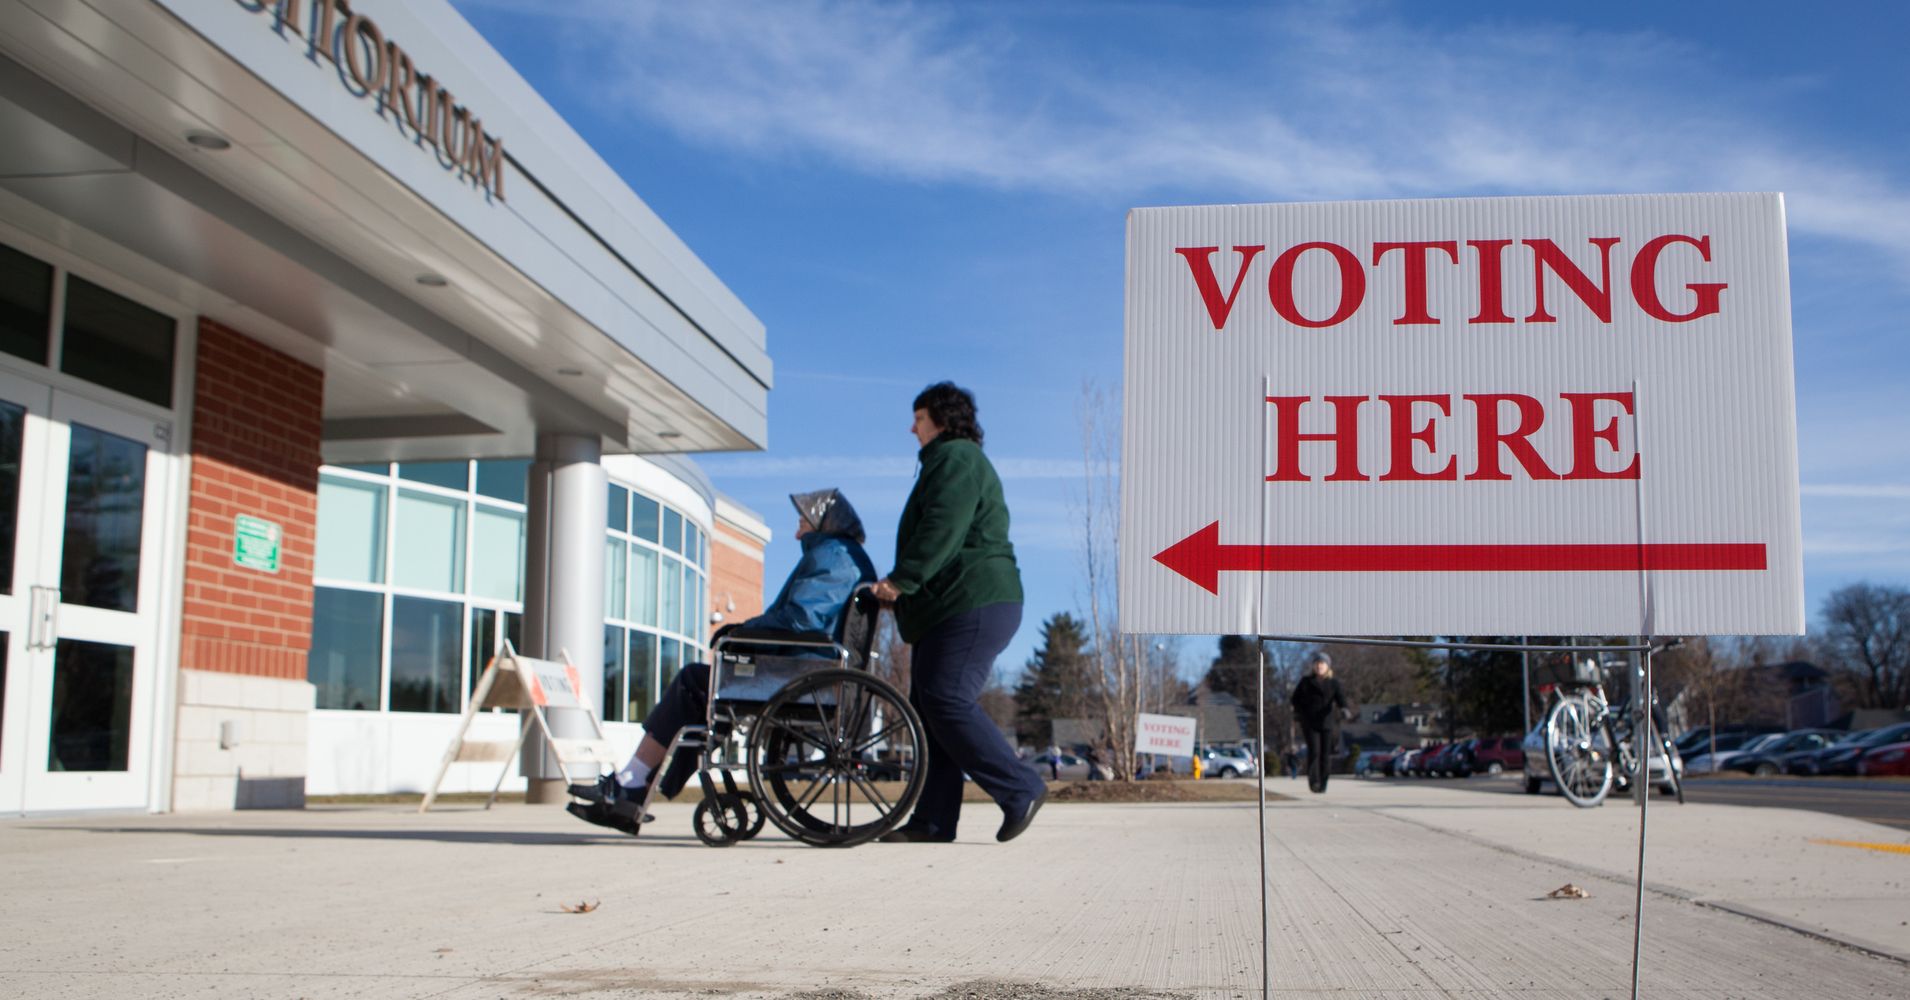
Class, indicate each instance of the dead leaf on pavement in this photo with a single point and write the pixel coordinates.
(1568, 891)
(580, 907)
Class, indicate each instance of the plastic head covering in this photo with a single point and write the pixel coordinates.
(828, 512)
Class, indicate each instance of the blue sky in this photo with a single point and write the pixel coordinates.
(907, 192)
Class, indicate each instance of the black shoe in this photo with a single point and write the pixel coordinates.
(907, 834)
(601, 815)
(602, 790)
(1013, 825)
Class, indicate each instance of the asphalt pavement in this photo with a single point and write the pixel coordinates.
(1378, 889)
(1884, 801)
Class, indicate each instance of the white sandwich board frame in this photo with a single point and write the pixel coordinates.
(525, 683)
(1508, 416)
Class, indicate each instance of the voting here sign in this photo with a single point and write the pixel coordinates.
(1543, 415)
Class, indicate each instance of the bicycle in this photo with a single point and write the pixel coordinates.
(1588, 741)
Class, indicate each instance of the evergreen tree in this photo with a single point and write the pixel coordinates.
(1057, 682)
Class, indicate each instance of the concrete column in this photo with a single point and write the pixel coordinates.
(564, 584)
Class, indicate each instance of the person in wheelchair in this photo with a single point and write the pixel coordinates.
(832, 566)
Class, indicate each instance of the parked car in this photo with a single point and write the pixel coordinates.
(1693, 742)
(1696, 756)
(1456, 762)
(1495, 754)
(1226, 761)
(1889, 759)
(1421, 760)
(1407, 760)
(1842, 758)
(1070, 767)
(1765, 755)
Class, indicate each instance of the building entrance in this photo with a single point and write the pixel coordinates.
(83, 520)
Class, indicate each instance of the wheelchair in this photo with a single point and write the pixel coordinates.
(833, 755)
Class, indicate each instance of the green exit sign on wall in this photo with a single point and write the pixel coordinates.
(255, 543)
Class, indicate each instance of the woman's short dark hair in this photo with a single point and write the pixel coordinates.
(953, 410)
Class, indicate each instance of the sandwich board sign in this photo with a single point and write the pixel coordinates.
(1171, 735)
(1557, 416)
(524, 683)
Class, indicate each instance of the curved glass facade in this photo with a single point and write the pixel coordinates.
(419, 581)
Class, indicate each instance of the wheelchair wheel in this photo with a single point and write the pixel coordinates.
(837, 758)
(753, 810)
(720, 824)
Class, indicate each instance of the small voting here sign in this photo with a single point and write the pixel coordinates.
(1172, 735)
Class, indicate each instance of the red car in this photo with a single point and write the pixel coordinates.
(1891, 758)
(1497, 753)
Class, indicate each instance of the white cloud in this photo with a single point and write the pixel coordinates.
(1304, 102)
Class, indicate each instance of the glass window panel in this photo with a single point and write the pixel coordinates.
(642, 669)
(92, 706)
(497, 553)
(504, 478)
(643, 517)
(428, 543)
(484, 644)
(615, 574)
(643, 585)
(613, 673)
(450, 475)
(13, 428)
(514, 629)
(427, 638)
(671, 661)
(105, 510)
(348, 638)
(111, 340)
(617, 507)
(672, 530)
(26, 305)
(372, 468)
(351, 530)
(672, 595)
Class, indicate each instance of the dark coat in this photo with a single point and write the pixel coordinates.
(951, 550)
(1317, 702)
(831, 568)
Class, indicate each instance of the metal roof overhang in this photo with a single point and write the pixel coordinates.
(568, 306)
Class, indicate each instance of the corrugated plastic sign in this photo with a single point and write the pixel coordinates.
(1501, 416)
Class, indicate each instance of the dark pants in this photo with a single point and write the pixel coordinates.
(948, 670)
(685, 701)
(1321, 746)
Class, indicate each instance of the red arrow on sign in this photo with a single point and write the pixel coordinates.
(1201, 558)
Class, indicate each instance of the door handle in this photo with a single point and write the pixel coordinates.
(42, 618)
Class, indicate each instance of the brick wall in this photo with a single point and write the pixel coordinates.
(736, 573)
(255, 450)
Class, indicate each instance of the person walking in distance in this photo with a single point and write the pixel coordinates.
(1317, 703)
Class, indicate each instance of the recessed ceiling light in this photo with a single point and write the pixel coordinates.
(432, 280)
(211, 142)
(669, 434)
(572, 372)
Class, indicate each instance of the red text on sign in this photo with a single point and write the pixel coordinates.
(1485, 260)
(1502, 427)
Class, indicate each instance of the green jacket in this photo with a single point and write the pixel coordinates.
(951, 550)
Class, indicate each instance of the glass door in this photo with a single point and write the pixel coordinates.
(24, 406)
(92, 507)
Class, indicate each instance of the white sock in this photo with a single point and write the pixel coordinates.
(634, 774)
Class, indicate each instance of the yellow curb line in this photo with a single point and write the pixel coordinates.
(1891, 848)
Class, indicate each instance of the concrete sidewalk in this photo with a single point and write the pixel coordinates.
(1380, 890)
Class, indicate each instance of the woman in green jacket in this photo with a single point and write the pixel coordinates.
(957, 597)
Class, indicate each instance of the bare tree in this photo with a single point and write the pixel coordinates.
(1117, 659)
(1867, 628)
